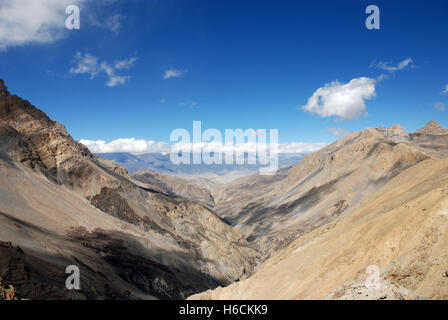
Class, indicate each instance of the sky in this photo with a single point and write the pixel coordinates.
(136, 70)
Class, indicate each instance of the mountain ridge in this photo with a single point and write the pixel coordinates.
(63, 205)
(376, 197)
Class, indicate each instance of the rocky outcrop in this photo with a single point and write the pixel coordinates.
(395, 133)
(7, 292)
(386, 290)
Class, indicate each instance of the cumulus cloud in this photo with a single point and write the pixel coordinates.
(440, 106)
(173, 73)
(131, 145)
(339, 132)
(445, 91)
(32, 21)
(400, 66)
(139, 146)
(89, 64)
(346, 101)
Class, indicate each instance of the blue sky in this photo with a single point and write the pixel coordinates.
(230, 64)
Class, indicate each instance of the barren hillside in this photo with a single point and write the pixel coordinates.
(60, 205)
(396, 192)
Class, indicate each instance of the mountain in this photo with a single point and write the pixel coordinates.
(61, 205)
(272, 211)
(378, 197)
(432, 128)
(159, 162)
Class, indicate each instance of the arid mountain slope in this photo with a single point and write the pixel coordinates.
(61, 205)
(273, 211)
(176, 186)
(402, 228)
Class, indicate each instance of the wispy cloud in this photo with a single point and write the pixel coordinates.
(191, 104)
(163, 100)
(339, 132)
(139, 146)
(112, 23)
(346, 101)
(125, 64)
(32, 21)
(173, 73)
(85, 64)
(89, 64)
(445, 90)
(407, 63)
(440, 106)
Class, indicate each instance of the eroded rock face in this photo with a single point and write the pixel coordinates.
(395, 133)
(57, 185)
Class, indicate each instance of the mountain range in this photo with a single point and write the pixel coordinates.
(378, 197)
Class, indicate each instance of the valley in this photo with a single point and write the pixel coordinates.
(140, 228)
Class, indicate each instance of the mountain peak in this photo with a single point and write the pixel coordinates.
(433, 128)
(395, 133)
(3, 89)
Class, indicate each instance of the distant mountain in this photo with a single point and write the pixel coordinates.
(162, 163)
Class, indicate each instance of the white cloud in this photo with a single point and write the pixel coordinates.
(113, 23)
(173, 73)
(346, 101)
(163, 100)
(130, 145)
(191, 104)
(301, 147)
(139, 146)
(89, 64)
(32, 21)
(125, 64)
(382, 77)
(445, 91)
(440, 106)
(403, 64)
(339, 132)
(85, 64)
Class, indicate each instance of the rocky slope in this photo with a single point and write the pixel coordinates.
(176, 186)
(273, 211)
(394, 188)
(61, 205)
